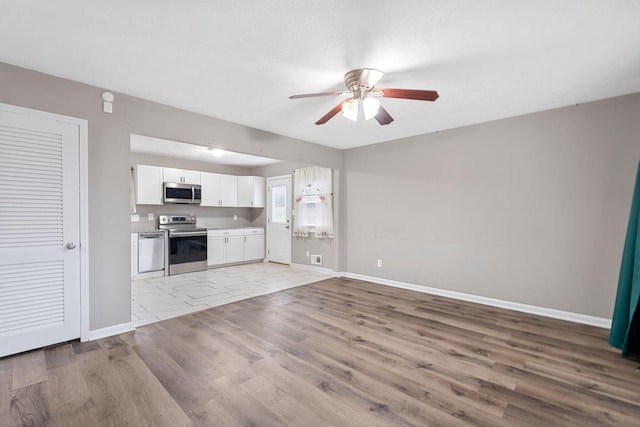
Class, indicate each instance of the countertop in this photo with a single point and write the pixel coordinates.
(143, 229)
(234, 228)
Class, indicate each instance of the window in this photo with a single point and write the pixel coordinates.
(279, 204)
(313, 202)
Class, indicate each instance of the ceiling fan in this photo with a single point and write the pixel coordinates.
(363, 96)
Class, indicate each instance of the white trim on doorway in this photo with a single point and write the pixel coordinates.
(268, 180)
(83, 129)
(110, 331)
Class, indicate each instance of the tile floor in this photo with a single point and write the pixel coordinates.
(164, 297)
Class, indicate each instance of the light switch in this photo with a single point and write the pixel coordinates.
(135, 218)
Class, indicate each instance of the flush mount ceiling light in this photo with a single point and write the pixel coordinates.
(362, 97)
(216, 152)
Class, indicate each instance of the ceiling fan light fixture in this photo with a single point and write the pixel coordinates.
(361, 87)
(370, 107)
(216, 152)
(350, 109)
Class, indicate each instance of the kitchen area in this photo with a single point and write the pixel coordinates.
(198, 231)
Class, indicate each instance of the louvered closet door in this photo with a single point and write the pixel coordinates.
(39, 216)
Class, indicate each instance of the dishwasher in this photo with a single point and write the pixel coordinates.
(151, 252)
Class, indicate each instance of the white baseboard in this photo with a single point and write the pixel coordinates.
(600, 322)
(110, 331)
(316, 269)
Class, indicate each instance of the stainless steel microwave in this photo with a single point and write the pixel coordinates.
(176, 192)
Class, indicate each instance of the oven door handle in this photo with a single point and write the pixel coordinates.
(187, 233)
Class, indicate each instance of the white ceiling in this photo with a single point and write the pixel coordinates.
(165, 147)
(240, 60)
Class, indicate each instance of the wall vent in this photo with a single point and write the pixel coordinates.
(316, 259)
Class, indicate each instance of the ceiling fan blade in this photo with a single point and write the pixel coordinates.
(335, 110)
(420, 95)
(310, 95)
(383, 117)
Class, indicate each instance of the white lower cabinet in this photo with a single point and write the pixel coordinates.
(225, 246)
(234, 245)
(234, 248)
(253, 243)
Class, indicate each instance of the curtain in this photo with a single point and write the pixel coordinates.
(625, 326)
(313, 210)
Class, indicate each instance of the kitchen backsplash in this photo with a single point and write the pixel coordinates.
(208, 217)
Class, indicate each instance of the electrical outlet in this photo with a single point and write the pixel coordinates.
(235, 217)
(379, 263)
(151, 216)
(308, 254)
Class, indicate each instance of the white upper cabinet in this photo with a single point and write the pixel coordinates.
(229, 190)
(251, 191)
(148, 185)
(219, 189)
(184, 176)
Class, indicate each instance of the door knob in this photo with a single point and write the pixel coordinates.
(71, 245)
(287, 227)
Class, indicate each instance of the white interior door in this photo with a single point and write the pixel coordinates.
(279, 219)
(39, 230)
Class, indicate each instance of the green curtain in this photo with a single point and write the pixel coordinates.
(625, 326)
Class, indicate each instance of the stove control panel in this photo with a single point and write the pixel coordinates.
(176, 219)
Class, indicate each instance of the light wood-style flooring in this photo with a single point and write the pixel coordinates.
(338, 352)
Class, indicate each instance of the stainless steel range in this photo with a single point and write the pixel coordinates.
(187, 243)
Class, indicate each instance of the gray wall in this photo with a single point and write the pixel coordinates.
(109, 167)
(531, 209)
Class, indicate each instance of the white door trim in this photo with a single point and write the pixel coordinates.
(268, 200)
(83, 128)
